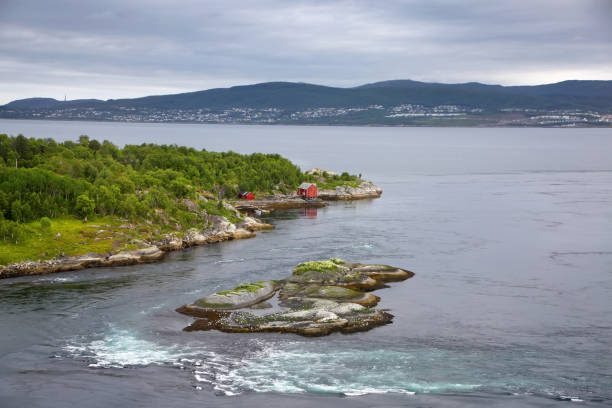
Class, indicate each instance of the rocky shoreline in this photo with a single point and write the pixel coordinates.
(319, 298)
(364, 190)
(278, 202)
(219, 229)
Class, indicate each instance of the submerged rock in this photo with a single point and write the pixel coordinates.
(318, 298)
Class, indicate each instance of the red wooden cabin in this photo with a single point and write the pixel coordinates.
(247, 196)
(308, 190)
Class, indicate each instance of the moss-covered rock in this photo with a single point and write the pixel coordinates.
(332, 272)
(330, 266)
(319, 297)
(241, 296)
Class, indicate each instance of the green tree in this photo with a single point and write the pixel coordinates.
(180, 187)
(126, 185)
(4, 204)
(94, 145)
(17, 211)
(85, 206)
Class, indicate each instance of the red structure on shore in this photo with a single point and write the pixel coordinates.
(247, 196)
(308, 190)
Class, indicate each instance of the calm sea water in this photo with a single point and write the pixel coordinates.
(509, 232)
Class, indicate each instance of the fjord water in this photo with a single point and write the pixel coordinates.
(509, 232)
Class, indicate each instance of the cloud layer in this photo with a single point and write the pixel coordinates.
(115, 49)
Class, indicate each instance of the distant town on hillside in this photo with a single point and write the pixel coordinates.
(388, 103)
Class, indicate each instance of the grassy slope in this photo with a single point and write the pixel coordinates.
(76, 239)
(100, 235)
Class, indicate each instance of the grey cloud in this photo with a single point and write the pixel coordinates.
(132, 48)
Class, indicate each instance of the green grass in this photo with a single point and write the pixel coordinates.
(317, 266)
(99, 235)
(76, 238)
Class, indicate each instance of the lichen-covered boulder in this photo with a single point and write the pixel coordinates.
(331, 272)
(383, 273)
(320, 319)
(253, 224)
(239, 297)
(148, 254)
(241, 233)
(320, 297)
(291, 290)
(365, 189)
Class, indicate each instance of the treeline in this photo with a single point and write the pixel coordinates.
(43, 178)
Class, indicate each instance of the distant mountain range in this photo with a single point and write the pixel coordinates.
(376, 103)
(596, 95)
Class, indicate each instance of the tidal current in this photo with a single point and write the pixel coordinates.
(509, 232)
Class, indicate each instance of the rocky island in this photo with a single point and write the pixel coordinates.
(319, 298)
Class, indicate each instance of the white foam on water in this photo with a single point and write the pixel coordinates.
(363, 245)
(369, 390)
(570, 399)
(121, 348)
(152, 309)
(195, 291)
(62, 280)
(286, 368)
(230, 260)
(286, 249)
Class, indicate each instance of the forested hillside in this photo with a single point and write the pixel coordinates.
(40, 179)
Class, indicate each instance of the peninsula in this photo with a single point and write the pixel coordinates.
(74, 205)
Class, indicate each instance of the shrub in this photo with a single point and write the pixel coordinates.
(45, 223)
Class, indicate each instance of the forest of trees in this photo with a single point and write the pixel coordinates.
(42, 178)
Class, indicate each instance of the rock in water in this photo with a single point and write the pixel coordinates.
(319, 298)
(240, 297)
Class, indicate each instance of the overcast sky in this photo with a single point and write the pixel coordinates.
(129, 48)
